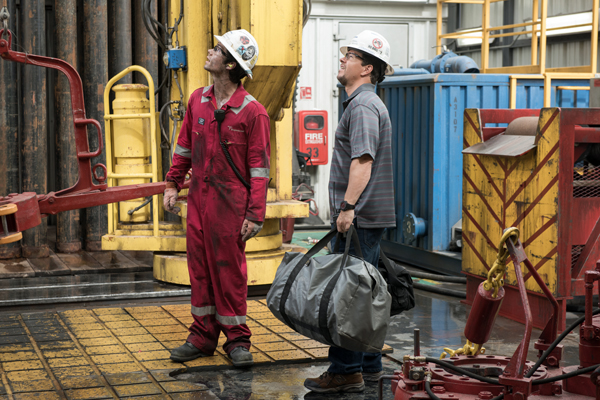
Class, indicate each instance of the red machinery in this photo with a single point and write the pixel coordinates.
(20, 212)
(488, 377)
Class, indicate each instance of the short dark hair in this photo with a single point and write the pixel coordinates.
(379, 67)
(238, 73)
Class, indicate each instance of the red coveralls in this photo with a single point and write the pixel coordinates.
(217, 205)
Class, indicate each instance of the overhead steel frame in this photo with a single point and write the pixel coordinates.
(538, 63)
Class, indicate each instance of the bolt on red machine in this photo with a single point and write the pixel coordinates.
(469, 374)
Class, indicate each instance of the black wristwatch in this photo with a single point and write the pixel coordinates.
(345, 206)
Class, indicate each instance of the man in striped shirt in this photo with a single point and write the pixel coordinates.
(224, 138)
(360, 187)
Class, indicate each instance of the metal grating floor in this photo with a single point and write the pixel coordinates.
(124, 352)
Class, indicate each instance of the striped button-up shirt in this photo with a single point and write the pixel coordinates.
(365, 128)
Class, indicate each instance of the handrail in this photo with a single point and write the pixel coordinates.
(113, 216)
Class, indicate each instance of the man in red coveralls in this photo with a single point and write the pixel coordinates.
(227, 196)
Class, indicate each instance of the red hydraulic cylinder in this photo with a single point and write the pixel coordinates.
(483, 315)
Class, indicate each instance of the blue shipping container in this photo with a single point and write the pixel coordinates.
(427, 121)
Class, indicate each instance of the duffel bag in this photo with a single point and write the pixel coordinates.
(338, 299)
(399, 284)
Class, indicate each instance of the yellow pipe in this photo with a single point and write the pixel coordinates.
(438, 41)
(534, 18)
(128, 116)
(458, 36)
(542, 62)
(573, 88)
(497, 35)
(126, 176)
(513, 92)
(594, 52)
(497, 28)
(547, 90)
(485, 44)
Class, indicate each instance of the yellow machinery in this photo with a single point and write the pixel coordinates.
(277, 26)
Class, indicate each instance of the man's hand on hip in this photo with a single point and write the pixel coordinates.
(169, 199)
(250, 229)
(344, 220)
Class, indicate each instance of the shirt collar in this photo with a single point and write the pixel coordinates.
(365, 87)
(237, 98)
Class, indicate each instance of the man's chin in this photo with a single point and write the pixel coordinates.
(342, 79)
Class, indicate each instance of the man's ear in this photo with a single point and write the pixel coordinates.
(367, 69)
(230, 65)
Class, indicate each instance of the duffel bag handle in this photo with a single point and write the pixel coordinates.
(354, 235)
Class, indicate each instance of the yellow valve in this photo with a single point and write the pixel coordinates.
(469, 349)
(495, 278)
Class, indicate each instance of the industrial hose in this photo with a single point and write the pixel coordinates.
(439, 278)
(529, 373)
(556, 342)
(462, 371)
(439, 290)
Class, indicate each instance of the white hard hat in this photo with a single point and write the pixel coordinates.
(242, 46)
(374, 44)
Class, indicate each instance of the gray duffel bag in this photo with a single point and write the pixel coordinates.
(338, 299)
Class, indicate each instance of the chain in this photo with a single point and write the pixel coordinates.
(495, 278)
(469, 349)
(4, 16)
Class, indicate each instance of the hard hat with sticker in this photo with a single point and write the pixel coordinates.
(242, 46)
(374, 44)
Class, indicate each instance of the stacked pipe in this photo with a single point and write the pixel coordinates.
(9, 138)
(100, 38)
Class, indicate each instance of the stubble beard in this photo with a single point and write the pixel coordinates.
(342, 79)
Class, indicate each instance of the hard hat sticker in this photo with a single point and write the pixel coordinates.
(249, 53)
(377, 43)
(244, 40)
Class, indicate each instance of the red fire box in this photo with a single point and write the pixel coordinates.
(310, 135)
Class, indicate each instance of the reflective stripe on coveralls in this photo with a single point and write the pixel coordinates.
(183, 152)
(218, 203)
(259, 172)
(212, 310)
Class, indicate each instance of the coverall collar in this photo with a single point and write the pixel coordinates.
(236, 99)
(362, 88)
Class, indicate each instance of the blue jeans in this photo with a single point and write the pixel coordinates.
(346, 361)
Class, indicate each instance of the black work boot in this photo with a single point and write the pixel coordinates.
(241, 357)
(186, 352)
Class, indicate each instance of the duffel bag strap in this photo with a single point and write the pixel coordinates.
(353, 233)
(294, 274)
(328, 292)
(391, 274)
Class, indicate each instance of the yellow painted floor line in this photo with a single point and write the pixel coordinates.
(113, 353)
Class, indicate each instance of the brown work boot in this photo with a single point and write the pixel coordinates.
(331, 383)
